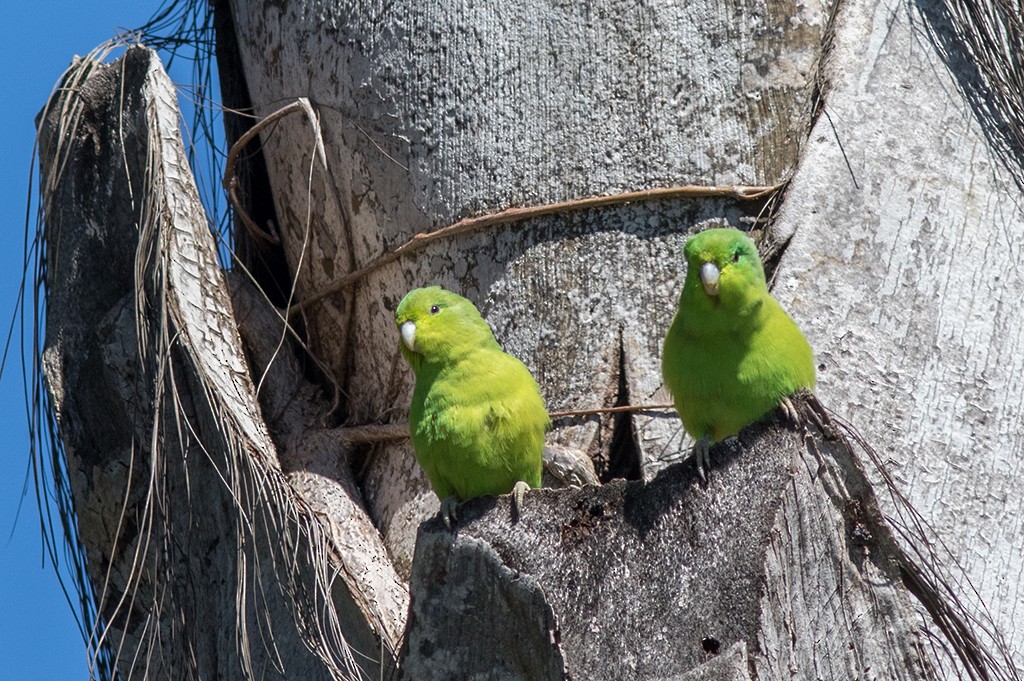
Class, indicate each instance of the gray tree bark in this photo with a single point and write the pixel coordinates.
(904, 269)
(768, 563)
(213, 490)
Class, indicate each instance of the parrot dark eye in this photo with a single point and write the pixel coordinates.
(736, 256)
(434, 309)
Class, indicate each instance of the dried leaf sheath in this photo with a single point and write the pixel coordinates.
(200, 553)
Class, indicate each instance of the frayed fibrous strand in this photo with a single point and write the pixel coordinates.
(184, 30)
(982, 42)
(137, 611)
(967, 635)
(271, 524)
(47, 453)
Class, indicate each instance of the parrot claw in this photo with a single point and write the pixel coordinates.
(818, 415)
(792, 415)
(517, 499)
(701, 449)
(449, 511)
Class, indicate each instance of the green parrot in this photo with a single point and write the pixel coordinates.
(477, 418)
(732, 354)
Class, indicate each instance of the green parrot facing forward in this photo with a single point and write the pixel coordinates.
(732, 353)
(477, 419)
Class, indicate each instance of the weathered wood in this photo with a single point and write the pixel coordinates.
(904, 271)
(316, 462)
(783, 552)
(430, 113)
(204, 562)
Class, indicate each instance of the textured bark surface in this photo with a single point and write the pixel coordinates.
(433, 112)
(206, 563)
(904, 271)
(316, 462)
(651, 580)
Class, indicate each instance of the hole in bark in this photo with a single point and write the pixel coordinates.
(710, 644)
(624, 455)
(587, 517)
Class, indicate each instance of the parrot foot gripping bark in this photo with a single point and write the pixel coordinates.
(701, 452)
(790, 412)
(517, 499)
(449, 511)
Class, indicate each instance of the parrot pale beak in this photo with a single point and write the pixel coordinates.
(708, 278)
(409, 335)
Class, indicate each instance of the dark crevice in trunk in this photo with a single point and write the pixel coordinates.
(264, 261)
(624, 454)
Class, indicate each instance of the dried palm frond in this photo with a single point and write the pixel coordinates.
(176, 515)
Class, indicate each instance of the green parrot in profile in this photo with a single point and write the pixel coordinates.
(732, 354)
(477, 419)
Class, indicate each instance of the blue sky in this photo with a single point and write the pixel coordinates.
(40, 639)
